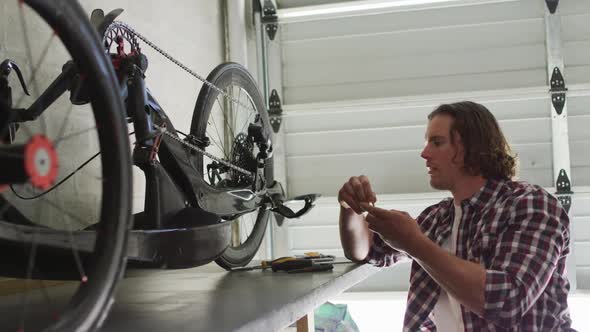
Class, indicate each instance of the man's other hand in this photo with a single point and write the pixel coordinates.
(355, 191)
(396, 228)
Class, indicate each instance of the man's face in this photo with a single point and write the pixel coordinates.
(444, 159)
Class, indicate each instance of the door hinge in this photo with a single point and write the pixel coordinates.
(552, 5)
(557, 90)
(270, 19)
(275, 112)
(564, 190)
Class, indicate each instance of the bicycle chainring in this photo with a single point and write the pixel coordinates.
(115, 30)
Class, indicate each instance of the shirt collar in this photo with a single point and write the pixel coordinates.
(484, 195)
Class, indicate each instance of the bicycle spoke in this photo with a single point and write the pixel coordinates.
(210, 135)
(235, 233)
(251, 113)
(236, 105)
(30, 56)
(222, 141)
(246, 227)
(83, 276)
(225, 113)
(22, 126)
(78, 133)
(244, 234)
(35, 69)
(40, 280)
(64, 123)
(31, 263)
(212, 117)
(29, 275)
(216, 143)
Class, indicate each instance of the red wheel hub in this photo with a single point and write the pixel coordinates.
(41, 162)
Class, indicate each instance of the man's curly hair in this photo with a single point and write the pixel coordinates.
(487, 153)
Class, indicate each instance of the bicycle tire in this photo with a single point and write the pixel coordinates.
(92, 298)
(224, 76)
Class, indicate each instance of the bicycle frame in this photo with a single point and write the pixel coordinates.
(177, 176)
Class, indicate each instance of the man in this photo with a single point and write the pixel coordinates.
(492, 257)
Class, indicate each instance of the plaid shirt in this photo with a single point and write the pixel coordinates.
(520, 234)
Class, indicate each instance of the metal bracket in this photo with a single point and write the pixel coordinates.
(558, 90)
(563, 183)
(270, 19)
(566, 202)
(564, 190)
(552, 5)
(275, 112)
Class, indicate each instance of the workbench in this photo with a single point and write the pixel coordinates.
(209, 298)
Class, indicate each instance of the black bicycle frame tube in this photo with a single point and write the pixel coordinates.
(137, 107)
(58, 87)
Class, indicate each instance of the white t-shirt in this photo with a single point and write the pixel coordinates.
(447, 311)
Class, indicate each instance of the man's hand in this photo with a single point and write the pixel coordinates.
(356, 191)
(396, 228)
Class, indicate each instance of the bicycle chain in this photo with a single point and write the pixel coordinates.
(203, 152)
(116, 24)
(179, 64)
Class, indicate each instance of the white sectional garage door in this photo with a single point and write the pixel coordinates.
(357, 89)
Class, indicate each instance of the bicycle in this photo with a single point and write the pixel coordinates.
(200, 189)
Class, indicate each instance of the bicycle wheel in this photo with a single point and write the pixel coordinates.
(224, 123)
(56, 274)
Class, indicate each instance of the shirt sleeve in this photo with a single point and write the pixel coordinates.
(524, 256)
(383, 255)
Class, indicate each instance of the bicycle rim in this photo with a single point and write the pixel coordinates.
(225, 124)
(61, 275)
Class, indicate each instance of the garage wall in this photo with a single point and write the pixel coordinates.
(357, 90)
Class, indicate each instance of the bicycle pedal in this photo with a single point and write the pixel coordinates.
(284, 211)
